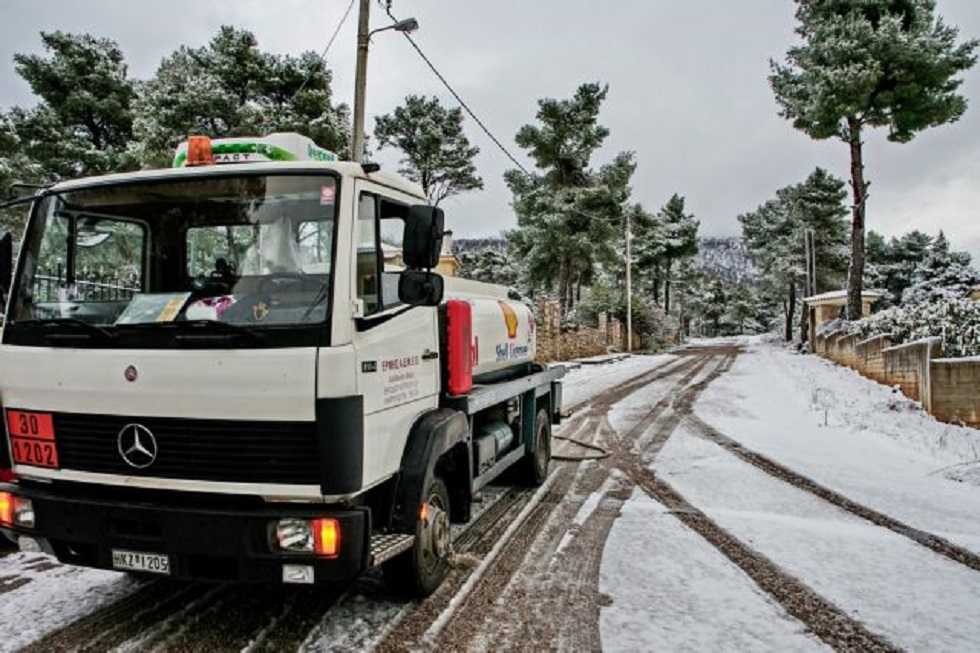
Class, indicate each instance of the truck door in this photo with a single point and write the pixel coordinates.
(397, 347)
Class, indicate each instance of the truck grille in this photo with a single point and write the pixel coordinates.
(194, 449)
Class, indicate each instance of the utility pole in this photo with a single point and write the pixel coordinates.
(629, 283)
(360, 80)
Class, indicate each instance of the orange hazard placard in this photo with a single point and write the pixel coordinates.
(30, 425)
(39, 453)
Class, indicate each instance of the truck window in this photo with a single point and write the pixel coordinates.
(367, 253)
(252, 250)
(109, 260)
(381, 225)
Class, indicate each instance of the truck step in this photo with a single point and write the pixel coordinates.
(386, 546)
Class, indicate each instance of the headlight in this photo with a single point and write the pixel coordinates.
(23, 512)
(294, 535)
(320, 536)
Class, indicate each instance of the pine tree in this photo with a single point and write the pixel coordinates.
(231, 88)
(83, 122)
(680, 239)
(774, 234)
(866, 64)
(568, 214)
(437, 153)
(489, 265)
(941, 275)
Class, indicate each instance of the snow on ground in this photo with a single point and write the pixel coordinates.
(581, 383)
(671, 590)
(914, 597)
(54, 596)
(877, 447)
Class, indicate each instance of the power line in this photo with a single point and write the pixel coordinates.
(386, 4)
(323, 55)
(462, 103)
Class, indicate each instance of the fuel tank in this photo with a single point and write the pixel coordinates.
(502, 332)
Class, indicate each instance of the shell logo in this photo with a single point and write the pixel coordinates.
(510, 319)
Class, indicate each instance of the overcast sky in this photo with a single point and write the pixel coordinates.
(687, 92)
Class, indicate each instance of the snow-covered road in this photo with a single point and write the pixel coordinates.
(733, 496)
(876, 449)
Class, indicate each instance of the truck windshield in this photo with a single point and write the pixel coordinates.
(249, 253)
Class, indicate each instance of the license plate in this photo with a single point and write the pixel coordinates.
(153, 563)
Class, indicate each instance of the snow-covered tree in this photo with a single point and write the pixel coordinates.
(956, 321)
(866, 64)
(891, 264)
(942, 274)
(774, 233)
(231, 88)
(680, 232)
(82, 124)
(569, 215)
(490, 265)
(437, 153)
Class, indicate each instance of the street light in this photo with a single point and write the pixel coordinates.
(360, 78)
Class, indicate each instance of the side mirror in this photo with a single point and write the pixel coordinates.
(422, 241)
(6, 265)
(418, 288)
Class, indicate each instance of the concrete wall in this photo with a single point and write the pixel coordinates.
(956, 390)
(845, 350)
(870, 360)
(908, 367)
(947, 388)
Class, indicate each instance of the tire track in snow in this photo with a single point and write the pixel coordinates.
(118, 622)
(407, 634)
(930, 541)
(10, 583)
(828, 622)
(560, 612)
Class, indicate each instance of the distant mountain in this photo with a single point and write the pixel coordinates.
(463, 245)
(728, 259)
(725, 258)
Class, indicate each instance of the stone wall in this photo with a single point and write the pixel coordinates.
(553, 344)
(956, 390)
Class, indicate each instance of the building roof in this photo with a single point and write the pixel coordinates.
(839, 297)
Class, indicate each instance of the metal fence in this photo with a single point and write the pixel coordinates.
(92, 288)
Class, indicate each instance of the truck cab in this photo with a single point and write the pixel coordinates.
(208, 372)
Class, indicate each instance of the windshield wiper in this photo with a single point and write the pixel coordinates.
(321, 294)
(87, 327)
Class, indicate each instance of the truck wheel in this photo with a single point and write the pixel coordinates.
(419, 571)
(534, 468)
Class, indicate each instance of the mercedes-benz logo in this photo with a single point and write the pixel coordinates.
(137, 446)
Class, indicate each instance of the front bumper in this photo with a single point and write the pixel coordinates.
(203, 543)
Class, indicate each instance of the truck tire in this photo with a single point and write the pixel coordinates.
(419, 571)
(533, 470)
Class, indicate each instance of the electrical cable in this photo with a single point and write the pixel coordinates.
(386, 4)
(462, 103)
(323, 55)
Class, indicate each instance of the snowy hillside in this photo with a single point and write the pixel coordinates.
(463, 245)
(727, 258)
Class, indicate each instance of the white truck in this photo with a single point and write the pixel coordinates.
(243, 368)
